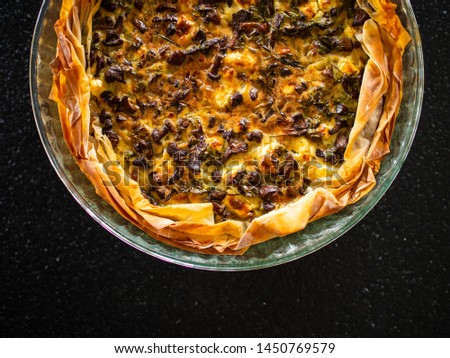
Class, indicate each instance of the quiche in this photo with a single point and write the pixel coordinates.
(214, 125)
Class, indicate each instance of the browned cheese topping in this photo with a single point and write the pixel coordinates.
(241, 103)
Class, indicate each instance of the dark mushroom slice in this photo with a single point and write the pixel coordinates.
(106, 96)
(299, 121)
(139, 4)
(104, 116)
(194, 163)
(268, 114)
(172, 148)
(334, 12)
(278, 20)
(163, 50)
(154, 77)
(113, 137)
(351, 85)
(140, 25)
(234, 147)
(110, 5)
(341, 143)
(118, 26)
(253, 93)
(137, 43)
(140, 146)
(236, 203)
(165, 7)
(270, 6)
(206, 45)
(221, 128)
(221, 41)
(299, 29)
(295, 131)
(205, 5)
(170, 126)
(165, 18)
(211, 122)
(180, 156)
(182, 94)
(183, 123)
(329, 155)
(104, 23)
(238, 178)
(255, 136)
(289, 165)
(328, 72)
(155, 178)
(107, 123)
(254, 178)
(112, 39)
(199, 36)
(115, 41)
(284, 72)
(268, 207)
(97, 59)
(200, 147)
(171, 29)
(212, 17)
(342, 44)
(360, 17)
(125, 106)
(338, 125)
(217, 195)
(289, 60)
(114, 73)
(218, 208)
(239, 17)
(254, 28)
(269, 163)
(177, 174)
(159, 133)
(244, 124)
(198, 132)
(292, 191)
(236, 99)
(300, 88)
(163, 192)
(267, 192)
(140, 161)
(227, 134)
(214, 69)
(176, 58)
(341, 109)
(120, 118)
(216, 176)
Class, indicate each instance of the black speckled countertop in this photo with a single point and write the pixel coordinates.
(63, 275)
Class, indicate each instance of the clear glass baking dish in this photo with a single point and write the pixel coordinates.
(274, 252)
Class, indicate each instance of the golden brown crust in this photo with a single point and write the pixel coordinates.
(192, 226)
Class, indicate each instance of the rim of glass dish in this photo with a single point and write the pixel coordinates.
(182, 261)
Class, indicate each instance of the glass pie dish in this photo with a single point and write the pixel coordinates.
(277, 251)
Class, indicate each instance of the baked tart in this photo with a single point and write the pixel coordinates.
(214, 125)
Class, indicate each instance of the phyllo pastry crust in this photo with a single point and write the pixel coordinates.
(214, 125)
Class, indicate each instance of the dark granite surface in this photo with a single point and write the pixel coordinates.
(63, 275)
